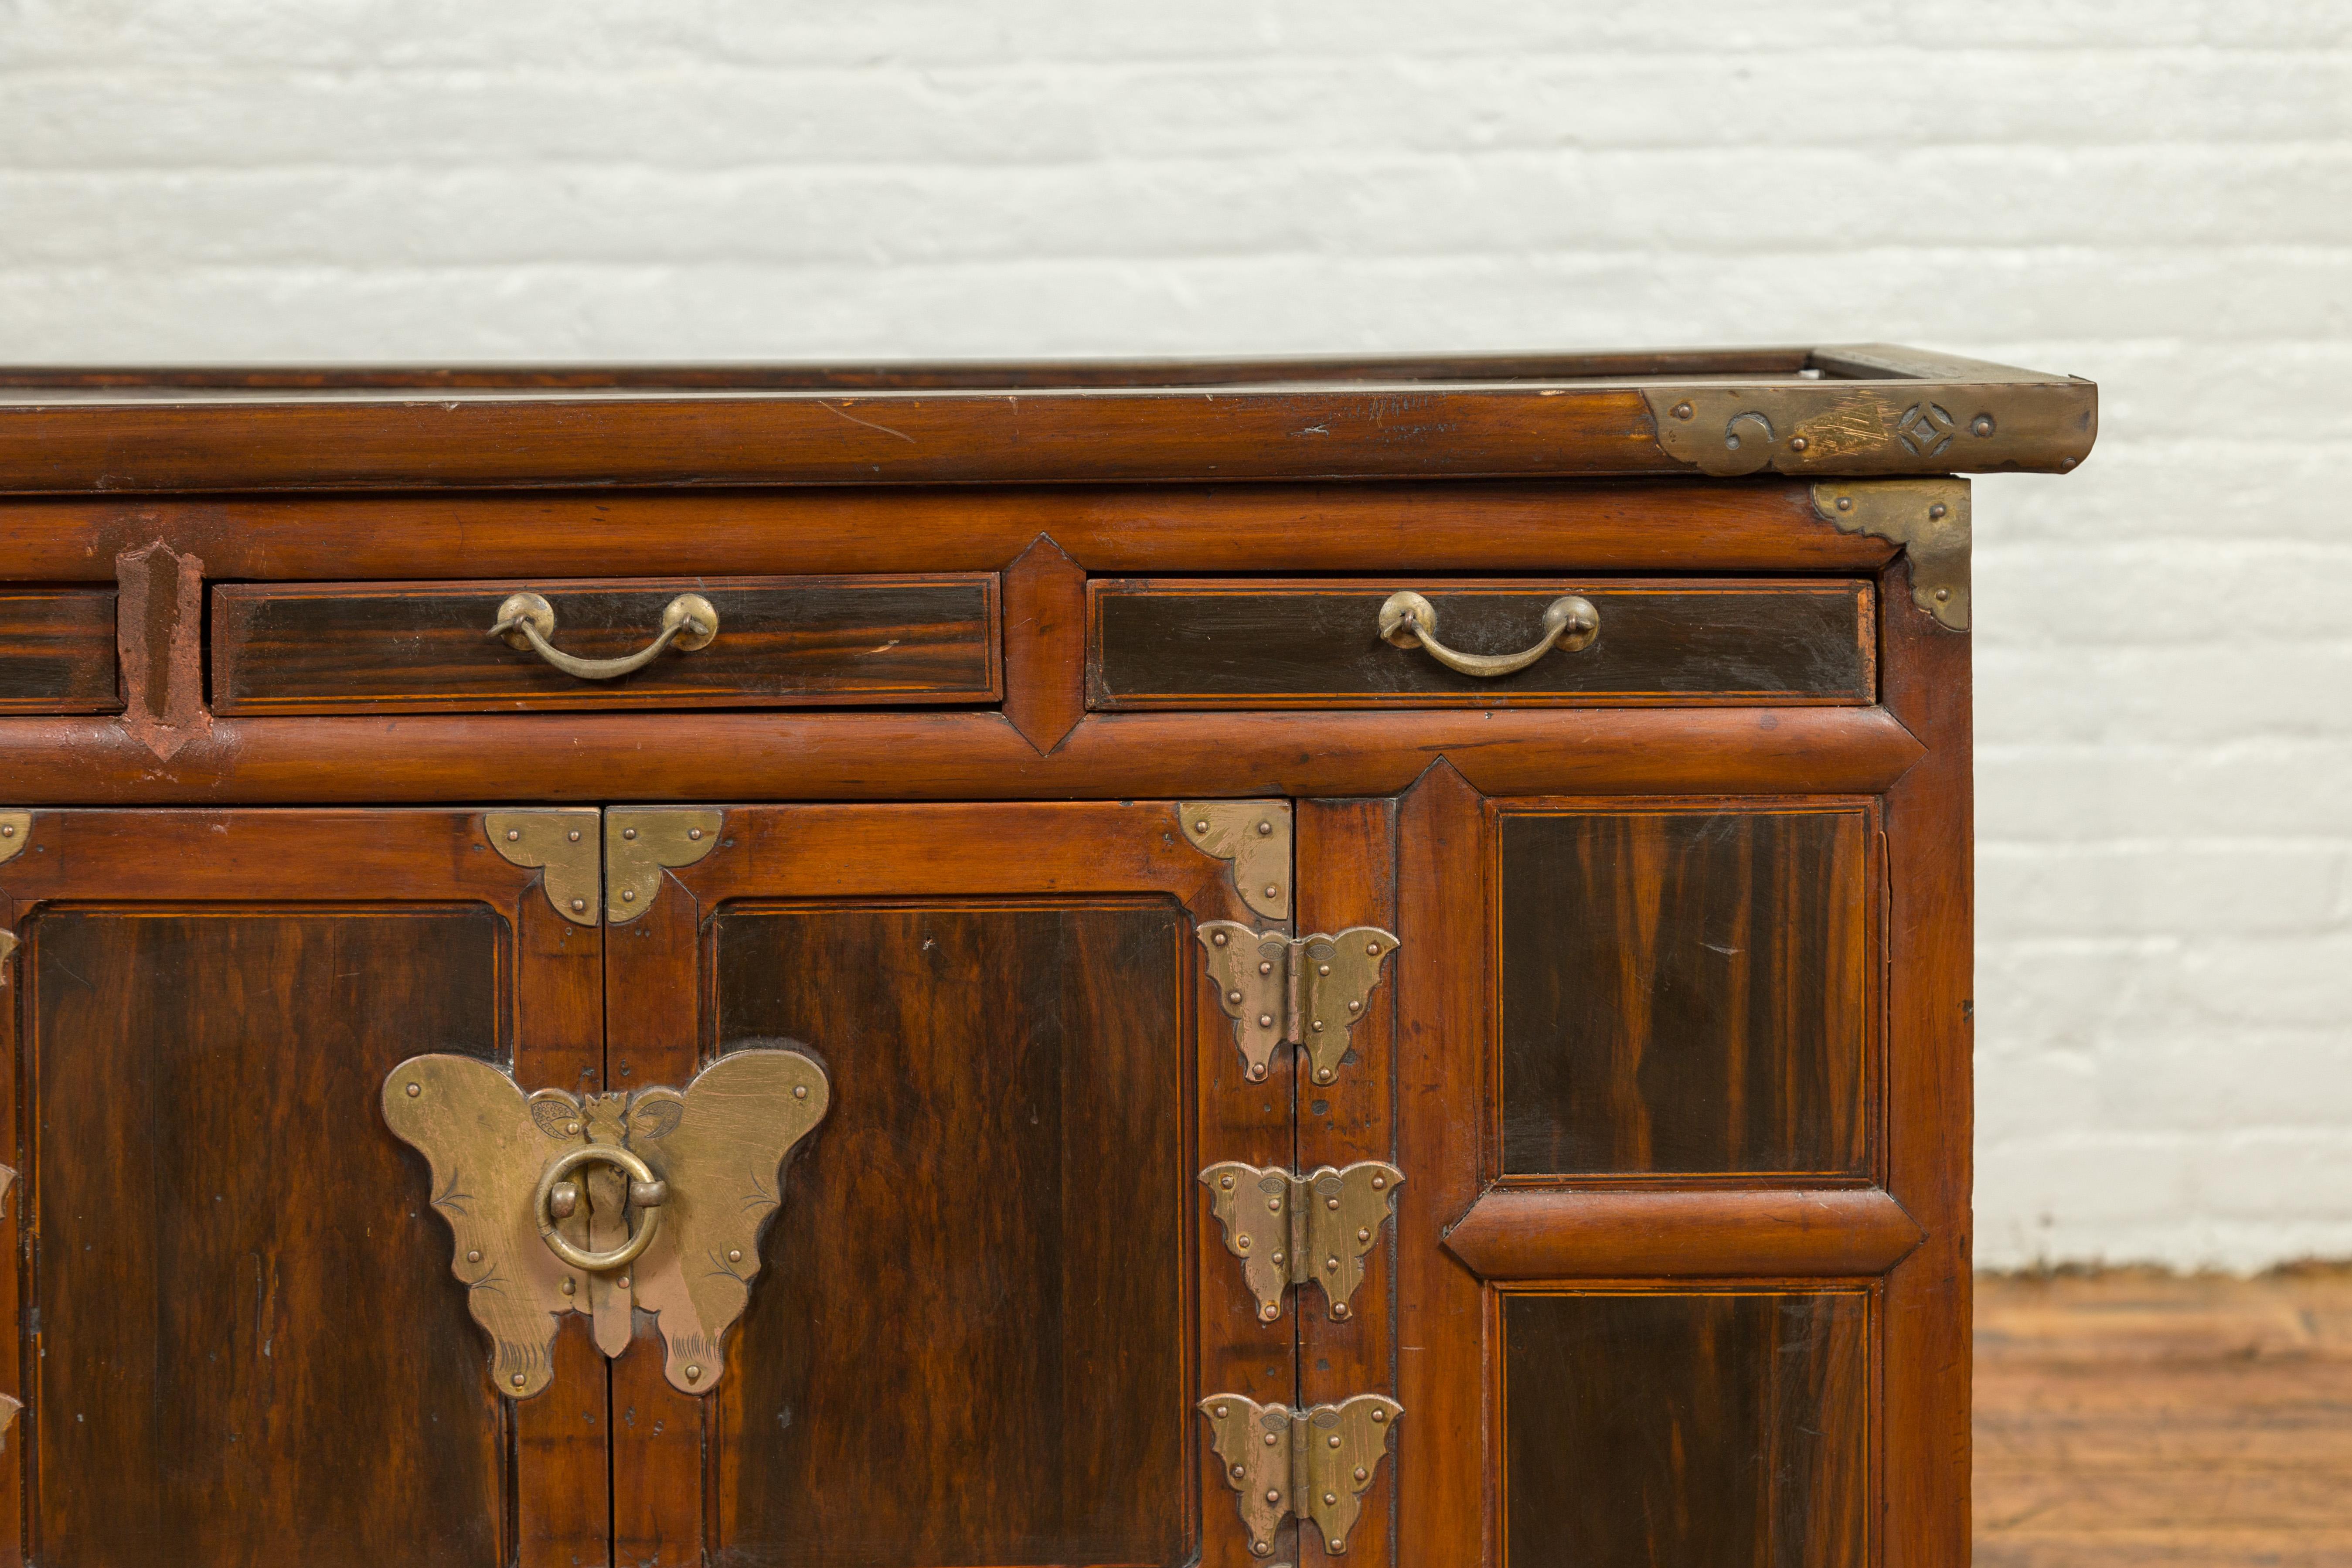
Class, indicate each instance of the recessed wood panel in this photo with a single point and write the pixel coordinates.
(57, 651)
(967, 1343)
(1729, 1430)
(1178, 642)
(1685, 991)
(340, 647)
(250, 1349)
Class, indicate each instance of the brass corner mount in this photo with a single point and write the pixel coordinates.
(1929, 517)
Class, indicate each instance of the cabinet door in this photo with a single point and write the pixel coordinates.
(994, 1290)
(244, 1342)
(1643, 1060)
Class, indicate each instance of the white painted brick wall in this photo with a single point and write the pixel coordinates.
(2154, 193)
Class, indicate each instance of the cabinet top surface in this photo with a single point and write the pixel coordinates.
(1821, 412)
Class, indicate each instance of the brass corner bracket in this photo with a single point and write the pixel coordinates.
(1297, 1230)
(1253, 836)
(609, 1205)
(1929, 517)
(641, 842)
(564, 842)
(1305, 990)
(16, 832)
(1314, 1464)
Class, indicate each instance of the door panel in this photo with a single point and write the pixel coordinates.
(1728, 1428)
(990, 1301)
(1686, 990)
(979, 1290)
(249, 1345)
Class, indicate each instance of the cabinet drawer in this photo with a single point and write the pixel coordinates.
(343, 647)
(57, 651)
(1170, 643)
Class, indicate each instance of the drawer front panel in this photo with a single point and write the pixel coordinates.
(783, 642)
(1717, 1427)
(1686, 991)
(57, 651)
(1172, 642)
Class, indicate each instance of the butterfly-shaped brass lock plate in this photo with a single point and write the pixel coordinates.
(653, 1200)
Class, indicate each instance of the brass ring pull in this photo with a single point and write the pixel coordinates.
(527, 620)
(1569, 624)
(647, 1192)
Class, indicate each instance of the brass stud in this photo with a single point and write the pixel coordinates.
(800, 1091)
(1337, 1544)
(518, 1379)
(1372, 949)
(1334, 1442)
(694, 1374)
(1355, 1007)
(622, 1281)
(1338, 1308)
(1363, 1474)
(578, 905)
(1265, 966)
(1363, 1233)
(1317, 1026)
(1265, 1020)
(474, 1256)
(1271, 1440)
(1981, 425)
(1943, 596)
(1272, 1495)
(628, 833)
(569, 1285)
(1263, 828)
(1261, 1548)
(1380, 1415)
(572, 1129)
(1217, 938)
(1271, 1310)
(1201, 826)
(1330, 1203)
(1330, 1265)
(575, 835)
(513, 833)
(1256, 1071)
(1330, 1497)
(1226, 1183)
(1379, 1182)
(1237, 1471)
(1277, 1257)
(628, 895)
(1220, 1413)
(1846, 503)
(1680, 410)
(414, 1089)
(1270, 890)
(1273, 1206)
(1935, 512)
(1322, 969)
(695, 833)
(1324, 1075)
(1232, 996)
(1798, 445)
(1242, 1245)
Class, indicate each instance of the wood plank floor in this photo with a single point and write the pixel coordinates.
(2135, 1418)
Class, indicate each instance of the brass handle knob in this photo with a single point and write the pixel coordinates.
(1407, 619)
(647, 1193)
(527, 620)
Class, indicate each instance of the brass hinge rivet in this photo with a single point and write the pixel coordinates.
(414, 1089)
(514, 834)
(800, 1091)
(1217, 937)
(694, 834)
(578, 904)
(622, 1281)
(734, 1255)
(628, 833)
(568, 1286)
(628, 895)
(519, 1380)
(694, 1374)
(573, 835)
(474, 1256)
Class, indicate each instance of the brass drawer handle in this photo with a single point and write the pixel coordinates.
(1569, 624)
(558, 1199)
(527, 620)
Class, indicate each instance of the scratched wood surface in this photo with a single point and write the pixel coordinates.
(2133, 1418)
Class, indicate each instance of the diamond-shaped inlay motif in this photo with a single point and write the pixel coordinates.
(1925, 429)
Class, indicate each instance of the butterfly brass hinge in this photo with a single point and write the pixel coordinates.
(1314, 1463)
(1290, 1229)
(1305, 990)
(606, 1204)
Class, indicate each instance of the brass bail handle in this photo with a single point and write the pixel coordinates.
(558, 1199)
(527, 620)
(1569, 624)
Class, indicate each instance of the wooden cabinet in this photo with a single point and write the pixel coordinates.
(1146, 965)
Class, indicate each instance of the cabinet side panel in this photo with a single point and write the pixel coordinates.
(969, 1345)
(245, 1354)
(1685, 991)
(1726, 1429)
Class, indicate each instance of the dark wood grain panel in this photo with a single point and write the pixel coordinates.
(1731, 1430)
(57, 651)
(250, 1349)
(422, 648)
(1686, 990)
(969, 1345)
(1171, 643)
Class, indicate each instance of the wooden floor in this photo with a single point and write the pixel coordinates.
(2132, 1417)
